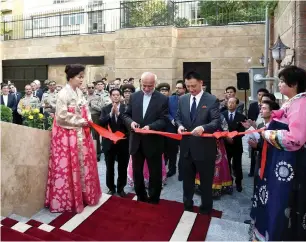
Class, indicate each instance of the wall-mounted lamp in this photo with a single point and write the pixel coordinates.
(279, 53)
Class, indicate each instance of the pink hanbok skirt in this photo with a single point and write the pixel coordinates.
(73, 179)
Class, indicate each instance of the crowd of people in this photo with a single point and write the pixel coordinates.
(207, 166)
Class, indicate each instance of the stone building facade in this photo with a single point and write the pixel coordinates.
(289, 22)
(162, 50)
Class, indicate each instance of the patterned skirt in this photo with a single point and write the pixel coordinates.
(222, 183)
(73, 179)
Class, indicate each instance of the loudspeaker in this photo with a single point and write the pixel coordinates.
(243, 81)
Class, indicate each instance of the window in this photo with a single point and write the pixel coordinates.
(7, 17)
(73, 19)
(38, 23)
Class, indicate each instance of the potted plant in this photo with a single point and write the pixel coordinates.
(33, 118)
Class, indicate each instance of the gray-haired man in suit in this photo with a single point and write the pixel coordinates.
(198, 112)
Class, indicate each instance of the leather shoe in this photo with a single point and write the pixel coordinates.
(188, 209)
(247, 221)
(203, 210)
(170, 173)
(122, 193)
(111, 192)
(239, 188)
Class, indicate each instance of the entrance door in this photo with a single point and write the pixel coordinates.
(23, 75)
(203, 68)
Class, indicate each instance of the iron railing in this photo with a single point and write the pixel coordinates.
(99, 18)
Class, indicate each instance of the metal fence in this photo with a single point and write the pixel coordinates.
(129, 14)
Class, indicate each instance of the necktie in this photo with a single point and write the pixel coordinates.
(231, 117)
(193, 109)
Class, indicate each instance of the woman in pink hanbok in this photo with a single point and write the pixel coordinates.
(73, 180)
(222, 183)
(146, 175)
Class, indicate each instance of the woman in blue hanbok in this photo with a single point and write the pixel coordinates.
(279, 202)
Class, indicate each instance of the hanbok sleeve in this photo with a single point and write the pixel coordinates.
(295, 138)
(64, 117)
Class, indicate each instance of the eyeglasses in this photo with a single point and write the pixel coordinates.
(90, 87)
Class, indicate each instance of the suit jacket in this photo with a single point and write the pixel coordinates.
(106, 120)
(239, 109)
(207, 116)
(11, 102)
(253, 111)
(155, 117)
(39, 94)
(173, 105)
(17, 96)
(235, 125)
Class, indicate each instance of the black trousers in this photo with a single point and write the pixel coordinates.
(206, 168)
(17, 118)
(120, 152)
(155, 170)
(234, 157)
(95, 135)
(171, 150)
(253, 161)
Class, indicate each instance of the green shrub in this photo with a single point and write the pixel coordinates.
(6, 114)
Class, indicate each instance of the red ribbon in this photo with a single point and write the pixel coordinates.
(217, 135)
(115, 137)
(108, 134)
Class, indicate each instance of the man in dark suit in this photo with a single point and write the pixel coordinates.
(111, 115)
(254, 107)
(231, 91)
(234, 148)
(173, 106)
(198, 112)
(7, 99)
(147, 109)
(17, 119)
(253, 113)
(37, 91)
(171, 145)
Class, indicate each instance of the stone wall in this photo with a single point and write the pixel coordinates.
(162, 50)
(290, 24)
(24, 167)
(227, 48)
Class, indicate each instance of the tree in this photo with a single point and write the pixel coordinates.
(147, 13)
(1, 26)
(231, 11)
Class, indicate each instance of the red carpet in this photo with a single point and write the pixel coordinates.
(121, 220)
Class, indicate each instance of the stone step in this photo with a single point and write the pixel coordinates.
(227, 230)
(19, 218)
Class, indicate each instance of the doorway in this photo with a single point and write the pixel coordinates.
(23, 75)
(203, 68)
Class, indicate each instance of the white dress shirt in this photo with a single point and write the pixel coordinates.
(5, 99)
(116, 117)
(198, 98)
(229, 114)
(145, 102)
